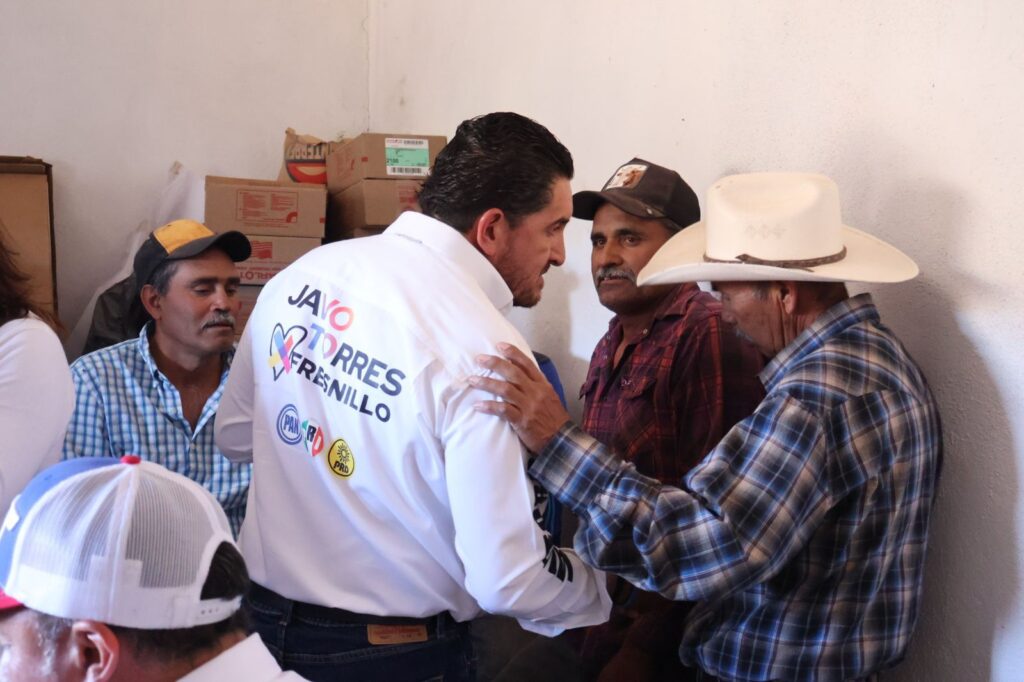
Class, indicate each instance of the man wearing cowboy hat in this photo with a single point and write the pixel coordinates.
(802, 534)
(665, 383)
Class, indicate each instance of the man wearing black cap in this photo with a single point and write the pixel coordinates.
(156, 395)
(665, 383)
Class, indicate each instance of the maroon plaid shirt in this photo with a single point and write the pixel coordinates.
(677, 390)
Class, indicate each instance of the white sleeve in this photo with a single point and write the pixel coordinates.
(36, 400)
(232, 430)
(509, 568)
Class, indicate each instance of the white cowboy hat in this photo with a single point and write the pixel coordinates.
(775, 226)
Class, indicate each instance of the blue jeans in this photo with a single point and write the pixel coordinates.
(321, 643)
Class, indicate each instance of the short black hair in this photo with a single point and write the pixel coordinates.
(227, 579)
(500, 160)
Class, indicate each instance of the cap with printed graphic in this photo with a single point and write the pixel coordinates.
(185, 239)
(644, 190)
(124, 542)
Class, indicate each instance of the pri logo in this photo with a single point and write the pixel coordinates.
(281, 344)
(288, 427)
(314, 437)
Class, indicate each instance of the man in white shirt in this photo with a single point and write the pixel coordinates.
(375, 528)
(120, 570)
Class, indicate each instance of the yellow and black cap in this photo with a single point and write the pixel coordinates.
(185, 239)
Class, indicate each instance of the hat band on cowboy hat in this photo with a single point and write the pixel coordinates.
(775, 226)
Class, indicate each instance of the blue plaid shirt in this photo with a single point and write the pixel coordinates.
(802, 534)
(125, 405)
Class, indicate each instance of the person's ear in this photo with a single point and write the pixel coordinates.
(151, 300)
(489, 232)
(95, 651)
(789, 296)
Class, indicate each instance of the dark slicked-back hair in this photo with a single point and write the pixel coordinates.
(500, 160)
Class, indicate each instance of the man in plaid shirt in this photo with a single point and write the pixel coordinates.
(156, 395)
(802, 534)
(666, 382)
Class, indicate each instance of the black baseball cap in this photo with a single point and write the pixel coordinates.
(645, 190)
(184, 239)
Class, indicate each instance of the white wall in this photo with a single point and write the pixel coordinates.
(112, 93)
(914, 108)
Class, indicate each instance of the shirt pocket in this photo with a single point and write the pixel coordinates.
(636, 385)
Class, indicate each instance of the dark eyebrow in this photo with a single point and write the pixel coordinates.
(212, 281)
(561, 221)
(626, 232)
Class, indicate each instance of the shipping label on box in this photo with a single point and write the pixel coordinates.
(271, 255)
(380, 156)
(262, 207)
(369, 206)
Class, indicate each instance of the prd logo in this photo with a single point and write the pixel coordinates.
(288, 427)
(340, 459)
(314, 437)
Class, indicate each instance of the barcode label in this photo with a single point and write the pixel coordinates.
(405, 143)
(407, 170)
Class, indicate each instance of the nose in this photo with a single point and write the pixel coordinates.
(557, 255)
(221, 299)
(609, 255)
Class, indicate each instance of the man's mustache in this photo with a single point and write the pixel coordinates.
(608, 271)
(220, 319)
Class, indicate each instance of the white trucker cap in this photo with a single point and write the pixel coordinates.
(121, 541)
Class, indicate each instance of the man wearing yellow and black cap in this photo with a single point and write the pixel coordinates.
(156, 395)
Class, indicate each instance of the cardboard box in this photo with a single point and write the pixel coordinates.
(305, 158)
(270, 255)
(263, 207)
(369, 206)
(381, 156)
(247, 295)
(26, 211)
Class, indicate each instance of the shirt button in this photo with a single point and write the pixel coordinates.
(645, 332)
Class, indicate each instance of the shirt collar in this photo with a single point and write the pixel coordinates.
(146, 351)
(452, 246)
(829, 324)
(248, 660)
(673, 305)
(147, 355)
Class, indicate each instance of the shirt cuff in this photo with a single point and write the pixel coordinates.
(575, 467)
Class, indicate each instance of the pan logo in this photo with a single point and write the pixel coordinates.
(288, 428)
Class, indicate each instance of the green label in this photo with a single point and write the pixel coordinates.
(406, 156)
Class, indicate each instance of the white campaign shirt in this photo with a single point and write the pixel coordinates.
(377, 487)
(249, 660)
(36, 400)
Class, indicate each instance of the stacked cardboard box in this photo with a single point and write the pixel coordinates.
(26, 211)
(372, 178)
(282, 220)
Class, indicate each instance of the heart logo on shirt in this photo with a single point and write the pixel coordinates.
(281, 345)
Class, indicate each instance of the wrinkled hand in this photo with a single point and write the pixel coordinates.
(530, 404)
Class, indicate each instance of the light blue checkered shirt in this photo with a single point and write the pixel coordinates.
(124, 405)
